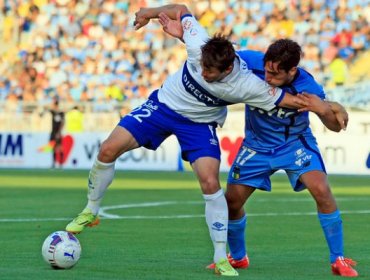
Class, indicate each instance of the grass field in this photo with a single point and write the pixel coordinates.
(155, 227)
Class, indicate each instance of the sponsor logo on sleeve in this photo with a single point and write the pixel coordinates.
(187, 24)
(272, 91)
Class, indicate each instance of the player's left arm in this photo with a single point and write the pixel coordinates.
(144, 15)
(332, 114)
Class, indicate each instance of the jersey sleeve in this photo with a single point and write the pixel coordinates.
(195, 36)
(254, 59)
(258, 93)
(320, 91)
(307, 83)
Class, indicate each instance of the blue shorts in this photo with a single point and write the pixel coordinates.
(152, 122)
(254, 169)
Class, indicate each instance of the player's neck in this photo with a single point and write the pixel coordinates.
(292, 78)
(227, 74)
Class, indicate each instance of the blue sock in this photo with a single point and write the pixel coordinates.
(333, 230)
(236, 238)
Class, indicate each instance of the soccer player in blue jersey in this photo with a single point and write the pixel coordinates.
(282, 140)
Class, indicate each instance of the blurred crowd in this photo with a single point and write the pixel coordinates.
(87, 50)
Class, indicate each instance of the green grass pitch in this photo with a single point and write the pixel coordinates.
(156, 228)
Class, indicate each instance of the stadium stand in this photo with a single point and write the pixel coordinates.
(87, 53)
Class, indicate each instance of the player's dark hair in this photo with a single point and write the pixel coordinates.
(285, 51)
(218, 52)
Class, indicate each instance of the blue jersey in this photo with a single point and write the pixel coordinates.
(266, 131)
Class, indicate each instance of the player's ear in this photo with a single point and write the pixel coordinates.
(229, 69)
(293, 71)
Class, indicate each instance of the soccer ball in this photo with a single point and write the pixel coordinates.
(61, 249)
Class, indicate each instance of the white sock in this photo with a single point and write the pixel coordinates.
(100, 177)
(217, 221)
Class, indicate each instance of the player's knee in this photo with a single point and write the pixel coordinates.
(107, 153)
(229, 198)
(209, 184)
(233, 203)
(323, 196)
(321, 189)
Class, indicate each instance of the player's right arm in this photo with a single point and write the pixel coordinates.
(257, 93)
(292, 102)
(173, 11)
(178, 22)
(172, 27)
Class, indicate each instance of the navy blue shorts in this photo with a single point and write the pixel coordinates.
(152, 122)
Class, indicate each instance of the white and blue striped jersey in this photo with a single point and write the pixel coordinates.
(268, 130)
(187, 93)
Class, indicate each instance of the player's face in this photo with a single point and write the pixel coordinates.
(212, 74)
(278, 77)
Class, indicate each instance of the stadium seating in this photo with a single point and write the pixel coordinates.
(87, 52)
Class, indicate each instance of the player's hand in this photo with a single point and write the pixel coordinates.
(172, 27)
(320, 107)
(313, 104)
(340, 114)
(141, 18)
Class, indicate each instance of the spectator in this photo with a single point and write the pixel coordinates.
(74, 120)
(359, 39)
(329, 54)
(338, 69)
(344, 38)
(9, 24)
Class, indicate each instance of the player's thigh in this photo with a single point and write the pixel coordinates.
(119, 141)
(317, 184)
(315, 180)
(297, 159)
(149, 124)
(251, 168)
(197, 140)
(207, 171)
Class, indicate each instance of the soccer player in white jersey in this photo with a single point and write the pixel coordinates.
(190, 105)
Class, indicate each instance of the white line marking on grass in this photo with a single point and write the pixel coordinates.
(103, 213)
(141, 217)
(310, 199)
(22, 220)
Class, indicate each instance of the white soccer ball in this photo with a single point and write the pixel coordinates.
(61, 249)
